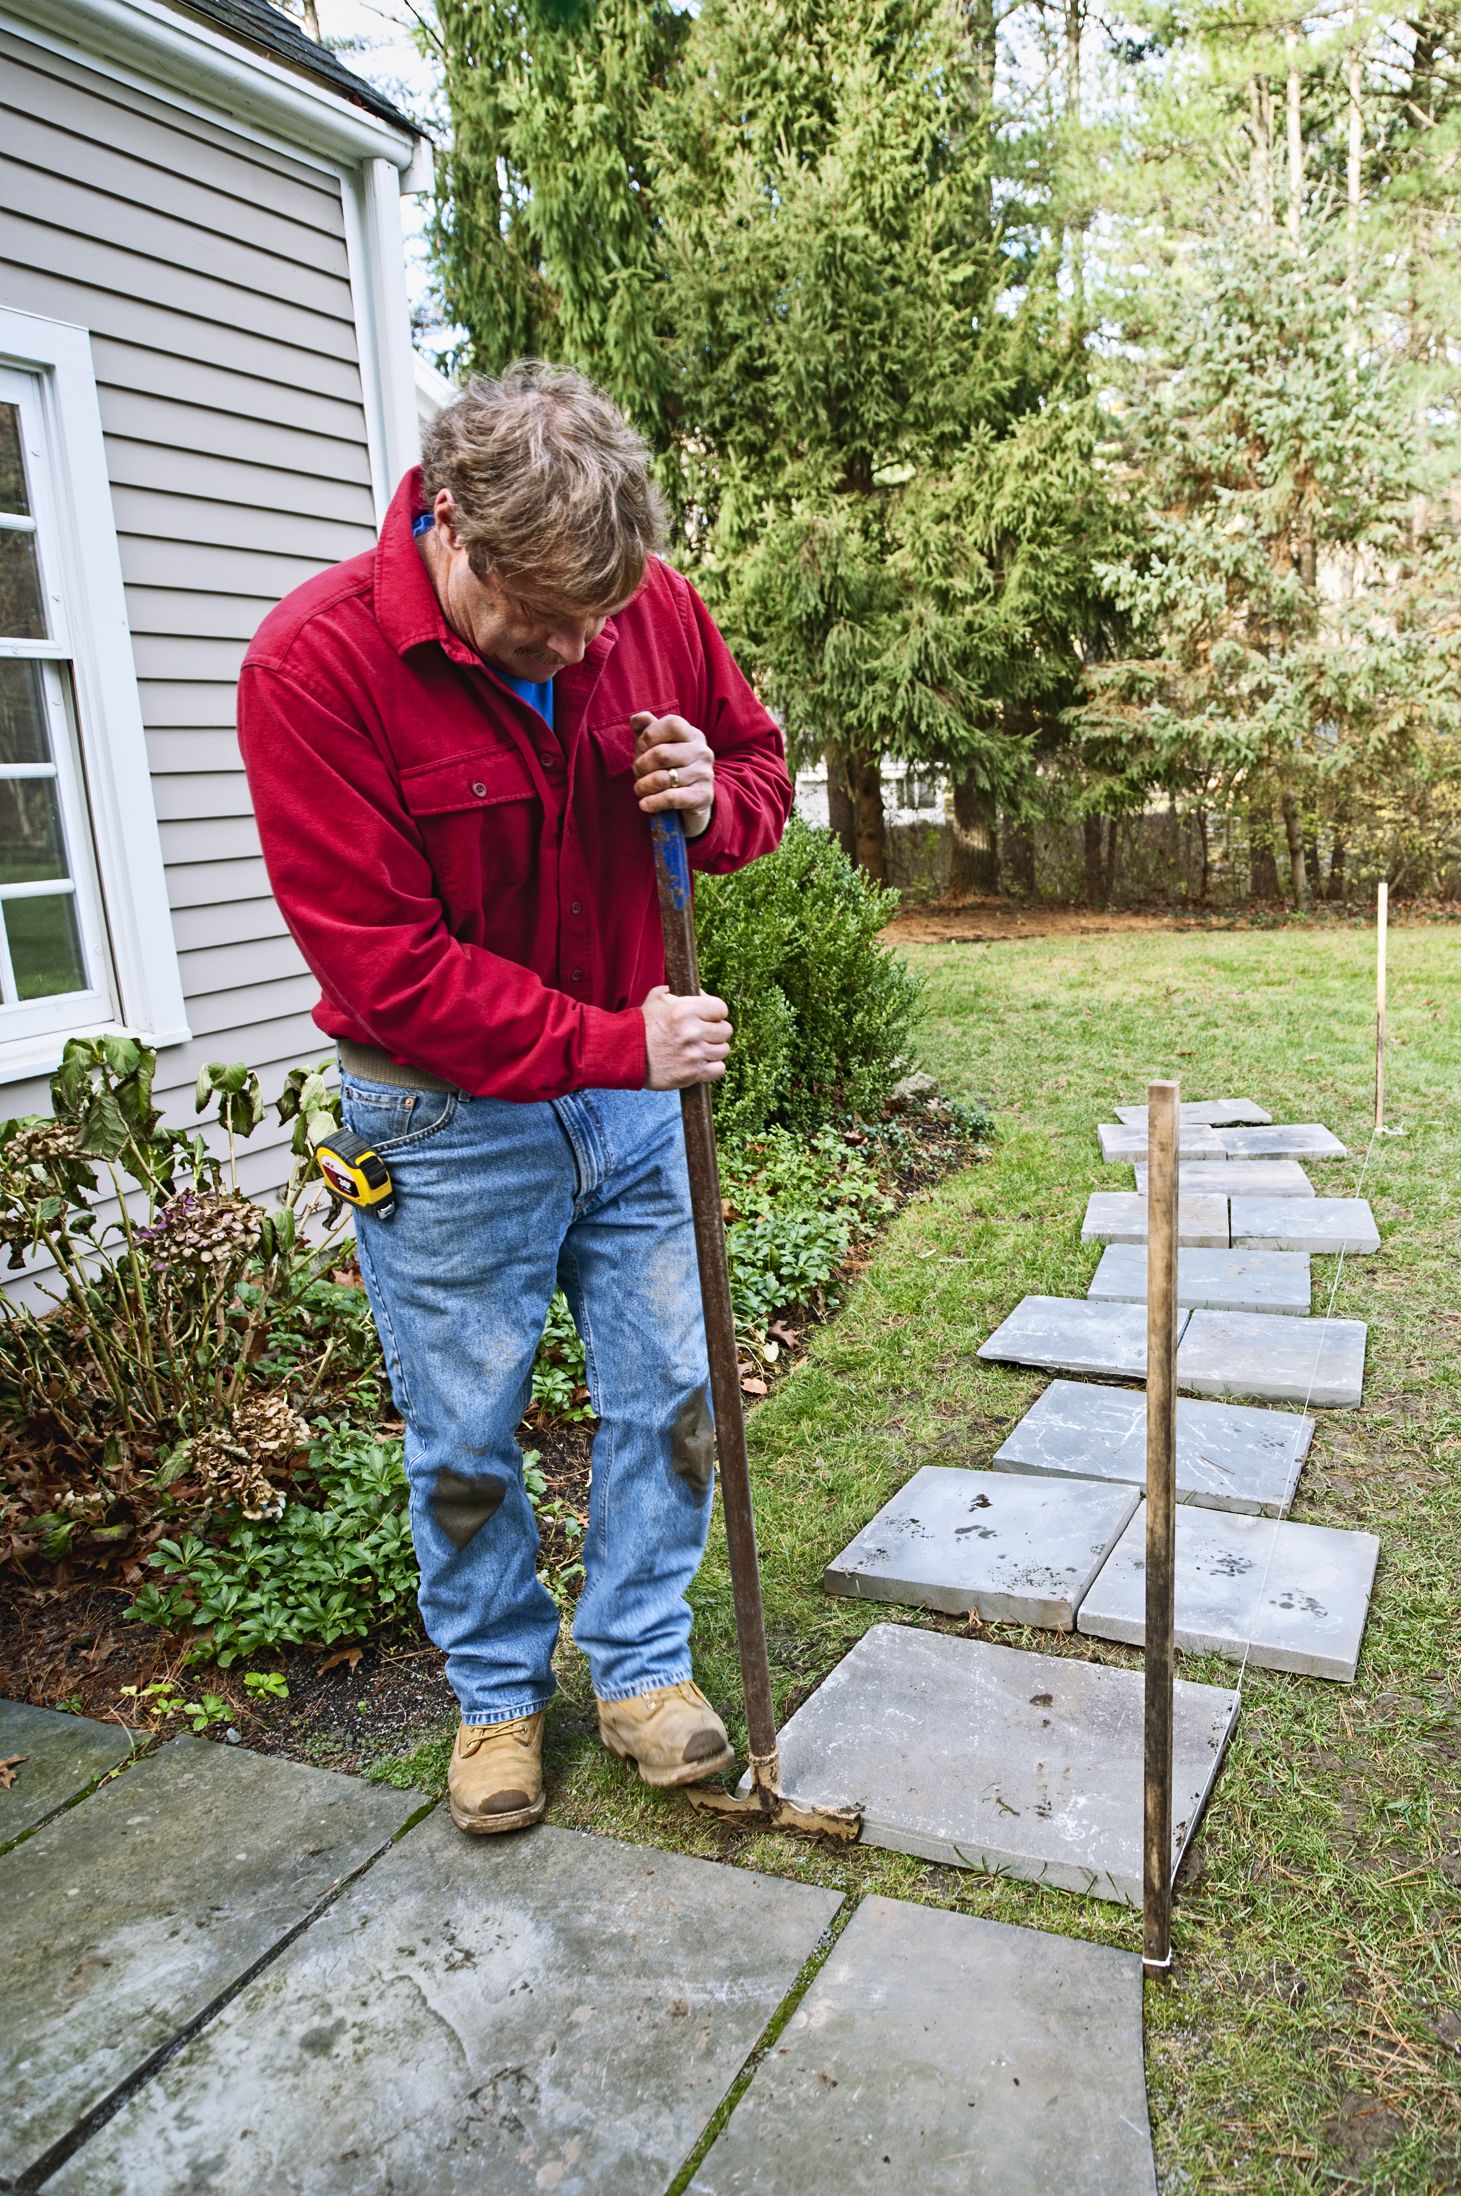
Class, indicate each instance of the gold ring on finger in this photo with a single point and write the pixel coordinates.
(674, 777)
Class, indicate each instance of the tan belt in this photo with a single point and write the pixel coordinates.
(379, 1067)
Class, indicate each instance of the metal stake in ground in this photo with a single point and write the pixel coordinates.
(1163, 1119)
(1382, 933)
(765, 1801)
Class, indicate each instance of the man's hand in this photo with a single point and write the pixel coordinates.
(674, 767)
(686, 1040)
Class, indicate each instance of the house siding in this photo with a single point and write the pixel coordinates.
(213, 274)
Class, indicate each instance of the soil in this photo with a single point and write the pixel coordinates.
(70, 1646)
(998, 922)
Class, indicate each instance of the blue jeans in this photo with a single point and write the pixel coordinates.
(497, 1201)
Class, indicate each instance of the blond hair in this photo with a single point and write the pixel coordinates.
(551, 486)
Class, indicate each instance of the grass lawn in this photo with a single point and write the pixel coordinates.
(1311, 2034)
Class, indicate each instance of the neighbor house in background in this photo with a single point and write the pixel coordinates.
(207, 392)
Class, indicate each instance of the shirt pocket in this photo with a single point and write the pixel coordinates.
(478, 815)
(615, 740)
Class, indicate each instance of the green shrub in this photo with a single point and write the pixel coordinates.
(823, 1010)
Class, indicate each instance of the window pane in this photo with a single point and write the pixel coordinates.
(12, 465)
(45, 946)
(23, 736)
(31, 845)
(22, 612)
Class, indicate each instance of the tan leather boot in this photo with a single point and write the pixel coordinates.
(673, 1735)
(495, 1778)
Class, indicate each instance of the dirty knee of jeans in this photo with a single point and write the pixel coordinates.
(692, 1442)
(462, 1506)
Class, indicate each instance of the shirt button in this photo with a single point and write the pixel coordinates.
(479, 789)
(576, 977)
(577, 908)
(549, 761)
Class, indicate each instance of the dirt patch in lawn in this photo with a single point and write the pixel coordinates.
(999, 922)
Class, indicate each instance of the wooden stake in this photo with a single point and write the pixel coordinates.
(1382, 931)
(1163, 1118)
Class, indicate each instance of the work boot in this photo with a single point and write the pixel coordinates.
(495, 1778)
(673, 1734)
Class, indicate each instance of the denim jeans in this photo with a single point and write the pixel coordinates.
(497, 1201)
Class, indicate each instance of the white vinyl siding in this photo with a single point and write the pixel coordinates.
(213, 275)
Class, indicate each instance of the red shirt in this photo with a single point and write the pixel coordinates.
(474, 892)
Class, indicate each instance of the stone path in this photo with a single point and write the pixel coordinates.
(1298, 1140)
(1267, 1357)
(1236, 1178)
(1071, 1334)
(57, 1758)
(1121, 1144)
(1229, 1456)
(1119, 1216)
(1273, 1281)
(1321, 1224)
(933, 2054)
(1204, 1112)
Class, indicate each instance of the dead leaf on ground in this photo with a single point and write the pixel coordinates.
(343, 1654)
(753, 1387)
(9, 1763)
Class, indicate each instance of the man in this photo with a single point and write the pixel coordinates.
(454, 744)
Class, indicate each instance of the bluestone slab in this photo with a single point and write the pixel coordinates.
(1120, 1142)
(63, 1756)
(1312, 1224)
(1236, 1178)
(1229, 1456)
(1017, 1551)
(953, 2056)
(1295, 1140)
(997, 1759)
(1119, 1216)
(128, 1916)
(476, 2017)
(1071, 1334)
(1206, 1112)
(1272, 1359)
(1290, 1597)
(1276, 1281)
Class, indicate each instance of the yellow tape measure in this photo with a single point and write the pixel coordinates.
(355, 1171)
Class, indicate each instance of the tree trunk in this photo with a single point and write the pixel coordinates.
(1298, 868)
(1295, 138)
(1260, 151)
(1262, 867)
(1093, 829)
(841, 816)
(1205, 872)
(975, 866)
(1021, 843)
(1335, 887)
(872, 840)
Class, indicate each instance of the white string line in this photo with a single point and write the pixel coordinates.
(1304, 1412)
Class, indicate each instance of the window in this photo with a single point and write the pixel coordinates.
(54, 971)
(85, 931)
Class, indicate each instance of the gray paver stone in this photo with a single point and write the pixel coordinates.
(1293, 1597)
(1229, 1456)
(128, 1916)
(953, 2056)
(1236, 1178)
(1275, 1281)
(1071, 1334)
(993, 1758)
(1017, 1551)
(1121, 1142)
(1274, 1360)
(1119, 1216)
(1319, 1224)
(1293, 1140)
(476, 2017)
(1206, 1112)
(63, 1757)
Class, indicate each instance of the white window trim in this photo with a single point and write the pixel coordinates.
(125, 837)
(371, 200)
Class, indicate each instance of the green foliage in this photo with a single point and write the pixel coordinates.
(797, 1207)
(823, 1009)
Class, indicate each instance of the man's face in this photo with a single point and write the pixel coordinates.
(529, 638)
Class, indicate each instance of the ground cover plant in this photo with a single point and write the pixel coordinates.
(1309, 2037)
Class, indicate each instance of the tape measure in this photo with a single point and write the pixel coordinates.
(355, 1171)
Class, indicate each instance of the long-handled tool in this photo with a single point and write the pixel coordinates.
(765, 1799)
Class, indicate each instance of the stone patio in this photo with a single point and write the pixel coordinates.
(1229, 1456)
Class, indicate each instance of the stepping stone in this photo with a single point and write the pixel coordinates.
(996, 1759)
(1119, 1216)
(551, 2012)
(1229, 1456)
(132, 1914)
(1274, 1359)
(1276, 1281)
(1018, 1551)
(1121, 1143)
(1316, 1224)
(1071, 1334)
(1298, 1140)
(63, 1756)
(1206, 1113)
(1236, 1178)
(1292, 1597)
(947, 2054)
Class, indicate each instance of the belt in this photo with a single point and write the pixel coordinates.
(379, 1067)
